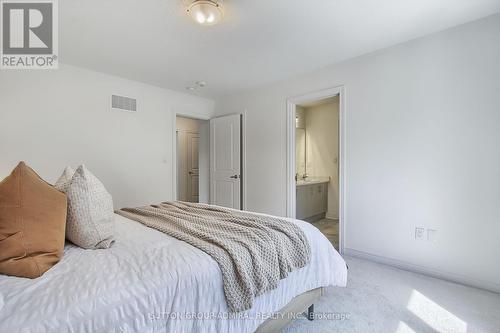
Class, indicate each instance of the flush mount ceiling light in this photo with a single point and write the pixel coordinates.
(205, 12)
(197, 84)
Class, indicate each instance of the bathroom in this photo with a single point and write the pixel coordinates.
(317, 165)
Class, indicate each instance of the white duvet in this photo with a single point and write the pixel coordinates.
(149, 282)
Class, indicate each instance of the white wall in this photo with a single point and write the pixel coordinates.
(52, 119)
(322, 141)
(423, 133)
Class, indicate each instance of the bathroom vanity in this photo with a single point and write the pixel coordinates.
(312, 199)
(312, 174)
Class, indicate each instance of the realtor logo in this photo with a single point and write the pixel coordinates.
(29, 34)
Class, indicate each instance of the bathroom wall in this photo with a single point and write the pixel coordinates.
(322, 148)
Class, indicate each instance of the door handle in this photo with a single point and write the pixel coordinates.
(235, 176)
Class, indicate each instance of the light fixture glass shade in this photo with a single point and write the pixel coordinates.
(205, 12)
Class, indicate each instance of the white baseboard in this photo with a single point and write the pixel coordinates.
(331, 216)
(489, 286)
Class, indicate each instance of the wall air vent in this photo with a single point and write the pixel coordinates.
(123, 103)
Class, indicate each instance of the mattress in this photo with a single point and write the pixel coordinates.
(150, 282)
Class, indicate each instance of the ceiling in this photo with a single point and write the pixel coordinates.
(258, 42)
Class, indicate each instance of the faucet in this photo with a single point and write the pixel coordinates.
(303, 177)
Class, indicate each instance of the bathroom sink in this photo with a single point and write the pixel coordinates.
(312, 181)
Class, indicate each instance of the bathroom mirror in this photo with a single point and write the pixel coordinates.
(300, 151)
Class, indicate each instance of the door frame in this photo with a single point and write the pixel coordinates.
(174, 146)
(292, 103)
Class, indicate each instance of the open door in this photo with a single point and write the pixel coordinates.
(225, 161)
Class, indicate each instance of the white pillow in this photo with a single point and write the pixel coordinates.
(90, 222)
(63, 181)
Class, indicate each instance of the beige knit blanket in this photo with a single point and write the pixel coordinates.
(254, 252)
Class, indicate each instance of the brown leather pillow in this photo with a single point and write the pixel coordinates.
(32, 224)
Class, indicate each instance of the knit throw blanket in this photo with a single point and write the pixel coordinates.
(254, 252)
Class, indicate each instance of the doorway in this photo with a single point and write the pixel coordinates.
(192, 149)
(316, 161)
(209, 161)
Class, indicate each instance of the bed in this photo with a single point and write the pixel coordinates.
(150, 282)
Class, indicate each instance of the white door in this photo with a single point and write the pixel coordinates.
(192, 167)
(225, 161)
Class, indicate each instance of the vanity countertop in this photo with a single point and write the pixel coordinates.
(312, 181)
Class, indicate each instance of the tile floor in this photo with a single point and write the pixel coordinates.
(330, 228)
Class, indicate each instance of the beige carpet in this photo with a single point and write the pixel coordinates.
(383, 299)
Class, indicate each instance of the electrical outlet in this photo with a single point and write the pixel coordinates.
(431, 235)
(419, 233)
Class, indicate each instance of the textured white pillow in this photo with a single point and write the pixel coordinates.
(90, 222)
(65, 179)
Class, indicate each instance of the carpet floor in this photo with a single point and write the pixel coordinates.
(380, 298)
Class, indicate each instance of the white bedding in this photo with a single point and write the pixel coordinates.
(145, 281)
